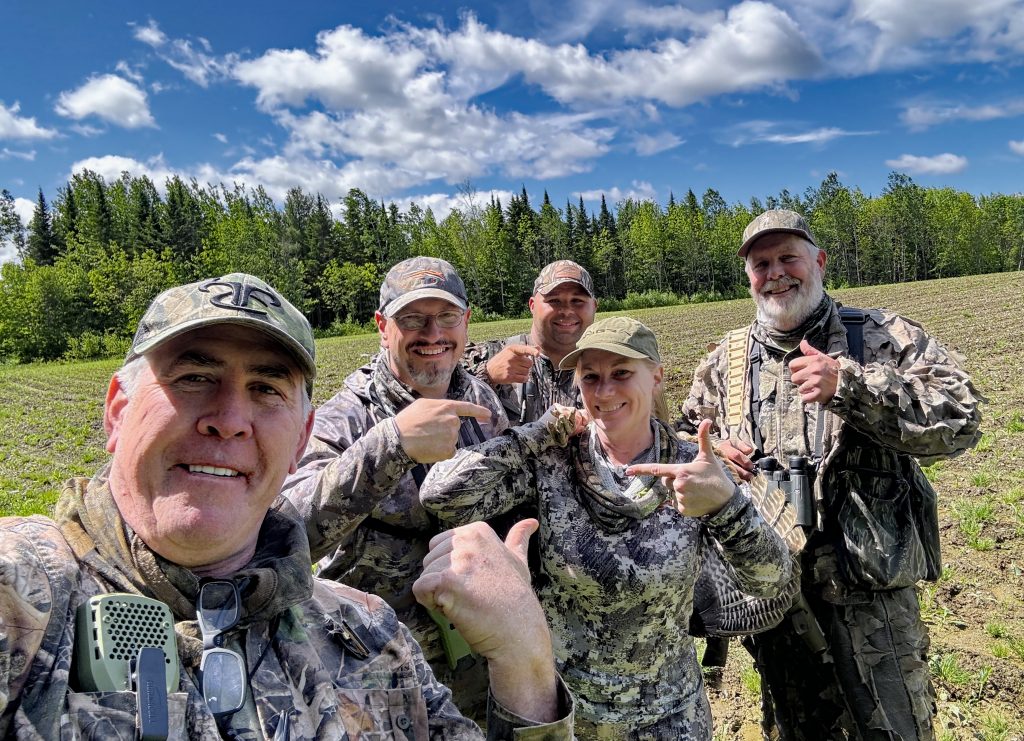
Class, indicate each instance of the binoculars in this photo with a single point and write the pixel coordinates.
(797, 483)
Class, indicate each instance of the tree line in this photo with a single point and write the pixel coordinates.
(91, 260)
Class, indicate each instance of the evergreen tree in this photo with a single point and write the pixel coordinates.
(11, 231)
(40, 246)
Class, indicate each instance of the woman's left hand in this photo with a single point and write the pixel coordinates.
(701, 487)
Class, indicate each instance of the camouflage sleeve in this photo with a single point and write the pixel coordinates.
(486, 480)
(504, 724)
(706, 399)
(476, 355)
(343, 474)
(911, 395)
(756, 553)
(37, 574)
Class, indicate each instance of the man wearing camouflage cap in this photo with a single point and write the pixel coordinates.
(207, 416)
(523, 369)
(857, 398)
(357, 487)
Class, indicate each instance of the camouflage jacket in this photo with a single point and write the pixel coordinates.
(325, 661)
(524, 402)
(357, 491)
(910, 399)
(618, 603)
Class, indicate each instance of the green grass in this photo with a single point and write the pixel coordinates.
(946, 668)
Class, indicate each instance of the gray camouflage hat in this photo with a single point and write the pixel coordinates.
(421, 277)
(237, 298)
(562, 271)
(618, 334)
(780, 220)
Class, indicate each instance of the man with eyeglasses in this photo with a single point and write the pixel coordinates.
(209, 413)
(357, 487)
(523, 369)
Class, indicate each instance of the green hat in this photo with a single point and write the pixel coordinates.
(618, 334)
(237, 298)
(770, 222)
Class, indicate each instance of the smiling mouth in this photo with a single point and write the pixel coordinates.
(431, 352)
(213, 471)
(609, 410)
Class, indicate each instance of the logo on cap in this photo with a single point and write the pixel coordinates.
(239, 295)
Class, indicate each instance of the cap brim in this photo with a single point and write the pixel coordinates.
(407, 298)
(745, 247)
(569, 361)
(306, 364)
(549, 287)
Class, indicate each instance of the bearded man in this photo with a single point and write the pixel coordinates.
(850, 402)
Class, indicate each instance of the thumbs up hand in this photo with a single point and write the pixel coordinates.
(482, 586)
(815, 374)
(701, 487)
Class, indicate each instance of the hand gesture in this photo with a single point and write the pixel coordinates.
(576, 419)
(701, 487)
(816, 375)
(482, 586)
(737, 454)
(512, 364)
(429, 428)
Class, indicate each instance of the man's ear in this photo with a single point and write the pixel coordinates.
(531, 302)
(113, 412)
(382, 323)
(821, 260)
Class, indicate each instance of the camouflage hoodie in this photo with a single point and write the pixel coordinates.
(325, 661)
(617, 590)
(910, 399)
(524, 402)
(357, 491)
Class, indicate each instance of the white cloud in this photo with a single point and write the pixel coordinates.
(922, 116)
(768, 132)
(670, 18)
(220, 137)
(110, 98)
(24, 208)
(940, 164)
(126, 70)
(1017, 147)
(150, 34)
(13, 126)
(6, 154)
(110, 167)
(910, 32)
(640, 191)
(646, 145)
(200, 65)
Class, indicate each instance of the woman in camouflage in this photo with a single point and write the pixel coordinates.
(622, 504)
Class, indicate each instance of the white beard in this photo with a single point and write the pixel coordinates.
(792, 309)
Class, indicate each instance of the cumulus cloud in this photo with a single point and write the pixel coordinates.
(110, 98)
(639, 191)
(13, 126)
(922, 116)
(940, 164)
(195, 60)
(110, 167)
(1017, 147)
(908, 32)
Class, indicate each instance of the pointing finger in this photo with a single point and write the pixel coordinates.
(469, 409)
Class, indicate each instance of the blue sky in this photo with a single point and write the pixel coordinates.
(408, 100)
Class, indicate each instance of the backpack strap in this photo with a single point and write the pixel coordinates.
(853, 321)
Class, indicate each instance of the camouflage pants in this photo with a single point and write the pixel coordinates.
(876, 687)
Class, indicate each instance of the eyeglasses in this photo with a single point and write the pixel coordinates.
(445, 320)
(223, 670)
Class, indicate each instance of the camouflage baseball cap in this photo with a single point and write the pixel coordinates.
(237, 298)
(421, 277)
(559, 272)
(780, 220)
(618, 334)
